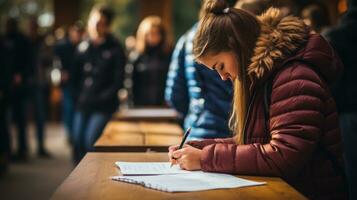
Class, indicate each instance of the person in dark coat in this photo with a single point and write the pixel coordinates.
(20, 70)
(150, 63)
(65, 51)
(40, 57)
(343, 39)
(284, 116)
(99, 75)
(5, 82)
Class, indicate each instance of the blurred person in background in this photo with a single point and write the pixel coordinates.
(99, 72)
(5, 83)
(149, 62)
(343, 39)
(19, 83)
(197, 93)
(65, 51)
(316, 16)
(40, 60)
(256, 7)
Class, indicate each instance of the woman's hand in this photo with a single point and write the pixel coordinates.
(171, 150)
(188, 158)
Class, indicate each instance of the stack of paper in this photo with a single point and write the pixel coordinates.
(159, 176)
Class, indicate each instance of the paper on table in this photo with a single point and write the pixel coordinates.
(196, 181)
(149, 168)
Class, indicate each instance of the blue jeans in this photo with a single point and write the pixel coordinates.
(348, 123)
(68, 111)
(4, 129)
(86, 130)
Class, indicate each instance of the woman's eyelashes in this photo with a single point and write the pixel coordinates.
(222, 66)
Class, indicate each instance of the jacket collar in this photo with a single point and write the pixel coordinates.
(280, 37)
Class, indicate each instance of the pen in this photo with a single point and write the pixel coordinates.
(182, 142)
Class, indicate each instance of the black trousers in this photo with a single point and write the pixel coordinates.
(18, 110)
(4, 129)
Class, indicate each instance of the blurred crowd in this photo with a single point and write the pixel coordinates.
(97, 75)
(93, 70)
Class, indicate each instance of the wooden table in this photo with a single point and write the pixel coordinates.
(119, 136)
(147, 114)
(90, 180)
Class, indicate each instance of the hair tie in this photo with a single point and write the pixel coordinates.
(226, 10)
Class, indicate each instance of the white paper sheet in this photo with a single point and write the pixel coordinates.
(149, 168)
(196, 181)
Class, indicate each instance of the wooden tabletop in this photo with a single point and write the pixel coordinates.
(119, 136)
(146, 114)
(91, 180)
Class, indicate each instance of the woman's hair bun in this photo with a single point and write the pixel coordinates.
(215, 6)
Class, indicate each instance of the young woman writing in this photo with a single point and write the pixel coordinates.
(284, 117)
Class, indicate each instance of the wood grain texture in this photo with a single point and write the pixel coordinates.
(91, 180)
(119, 136)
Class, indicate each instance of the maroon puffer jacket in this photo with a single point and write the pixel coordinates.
(303, 121)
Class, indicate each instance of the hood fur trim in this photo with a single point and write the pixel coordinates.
(280, 37)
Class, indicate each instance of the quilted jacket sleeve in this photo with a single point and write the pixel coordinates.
(296, 121)
(200, 144)
(176, 91)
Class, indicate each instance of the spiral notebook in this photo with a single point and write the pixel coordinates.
(177, 180)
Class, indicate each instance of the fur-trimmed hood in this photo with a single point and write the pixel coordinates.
(287, 38)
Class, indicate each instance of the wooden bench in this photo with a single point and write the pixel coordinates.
(119, 136)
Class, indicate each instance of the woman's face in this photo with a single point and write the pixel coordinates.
(225, 63)
(153, 37)
(97, 25)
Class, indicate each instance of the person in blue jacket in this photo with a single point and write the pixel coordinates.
(199, 95)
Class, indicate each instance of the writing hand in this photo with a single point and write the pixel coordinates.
(188, 158)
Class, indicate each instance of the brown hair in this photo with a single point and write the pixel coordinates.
(146, 24)
(224, 29)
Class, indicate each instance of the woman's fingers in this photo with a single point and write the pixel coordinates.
(171, 150)
(173, 147)
(183, 162)
(188, 158)
(173, 162)
(177, 154)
